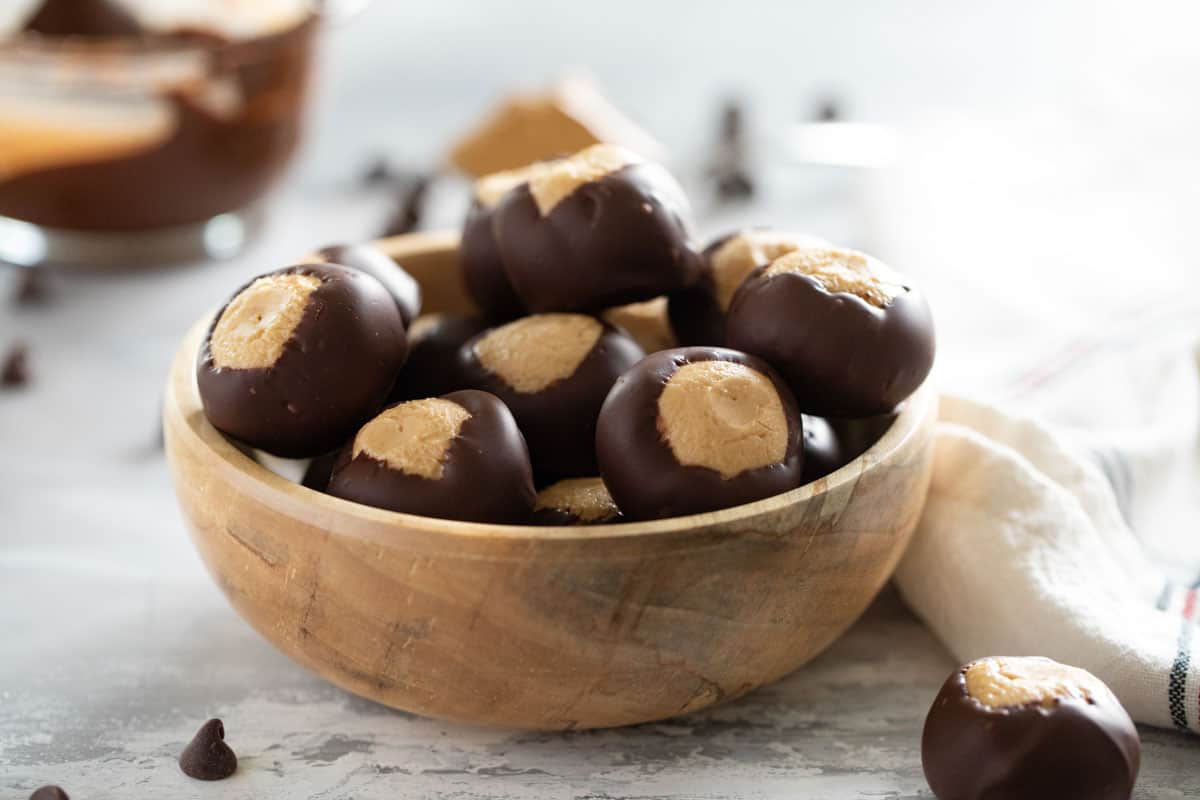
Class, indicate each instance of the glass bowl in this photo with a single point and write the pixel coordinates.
(126, 151)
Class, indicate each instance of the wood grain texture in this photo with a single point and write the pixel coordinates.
(548, 628)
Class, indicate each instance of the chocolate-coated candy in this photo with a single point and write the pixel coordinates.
(698, 312)
(14, 367)
(483, 272)
(1028, 729)
(373, 261)
(553, 371)
(300, 358)
(317, 473)
(91, 18)
(823, 452)
(50, 792)
(459, 457)
(208, 757)
(433, 367)
(576, 501)
(698, 429)
(857, 436)
(599, 229)
(851, 337)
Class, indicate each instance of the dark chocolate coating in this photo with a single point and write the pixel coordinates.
(482, 270)
(1075, 750)
(823, 452)
(334, 373)
(638, 466)
(316, 475)
(90, 18)
(616, 240)
(486, 474)
(559, 422)
(373, 261)
(433, 367)
(842, 356)
(50, 792)
(857, 436)
(696, 316)
(207, 757)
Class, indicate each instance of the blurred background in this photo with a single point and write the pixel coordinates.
(1034, 165)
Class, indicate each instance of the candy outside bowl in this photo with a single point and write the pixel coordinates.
(543, 628)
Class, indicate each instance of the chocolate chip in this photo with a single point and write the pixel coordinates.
(50, 792)
(828, 110)
(732, 123)
(729, 169)
(208, 758)
(15, 372)
(410, 207)
(32, 289)
(380, 172)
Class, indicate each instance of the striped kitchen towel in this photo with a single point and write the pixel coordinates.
(1070, 528)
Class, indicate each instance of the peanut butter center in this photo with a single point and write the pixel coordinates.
(1008, 682)
(534, 352)
(413, 437)
(841, 271)
(490, 188)
(723, 416)
(553, 182)
(257, 324)
(584, 498)
(748, 250)
(647, 322)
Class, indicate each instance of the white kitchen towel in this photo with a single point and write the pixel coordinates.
(1080, 540)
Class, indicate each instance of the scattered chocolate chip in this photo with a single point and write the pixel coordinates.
(729, 171)
(15, 372)
(50, 792)
(32, 289)
(733, 124)
(410, 207)
(208, 758)
(828, 110)
(379, 173)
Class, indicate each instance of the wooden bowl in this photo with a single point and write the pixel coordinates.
(549, 628)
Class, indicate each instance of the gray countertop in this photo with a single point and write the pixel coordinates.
(115, 646)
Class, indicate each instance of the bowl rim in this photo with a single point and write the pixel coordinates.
(182, 399)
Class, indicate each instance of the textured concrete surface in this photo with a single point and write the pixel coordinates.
(115, 647)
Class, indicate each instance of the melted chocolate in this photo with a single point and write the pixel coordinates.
(333, 375)
(641, 471)
(486, 474)
(209, 165)
(90, 18)
(616, 240)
